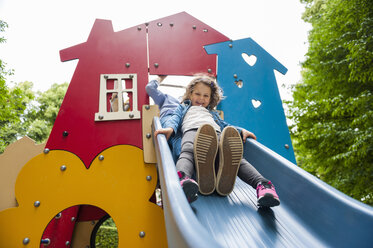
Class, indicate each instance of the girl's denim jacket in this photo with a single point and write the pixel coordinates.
(176, 120)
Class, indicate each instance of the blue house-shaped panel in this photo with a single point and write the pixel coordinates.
(246, 75)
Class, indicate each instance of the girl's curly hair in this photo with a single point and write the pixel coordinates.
(216, 91)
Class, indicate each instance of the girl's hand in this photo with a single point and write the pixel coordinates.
(246, 134)
(161, 78)
(166, 131)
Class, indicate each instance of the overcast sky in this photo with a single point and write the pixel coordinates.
(39, 29)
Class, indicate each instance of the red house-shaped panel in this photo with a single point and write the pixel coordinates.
(175, 46)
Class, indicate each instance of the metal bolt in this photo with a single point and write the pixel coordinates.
(59, 215)
(139, 28)
(235, 75)
(101, 157)
(65, 133)
(46, 151)
(26, 241)
(67, 243)
(171, 24)
(230, 45)
(209, 70)
(46, 241)
(148, 135)
(37, 204)
(156, 65)
(159, 24)
(101, 117)
(142, 234)
(128, 65)
(106, 76)
(205, 30)
(147, 107)
(131, 115)
(148, 178)
(72, 219)
(63, 167)
(286, 146)
(194, 27)
(131, 76)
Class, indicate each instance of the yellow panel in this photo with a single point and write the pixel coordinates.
(117, 184)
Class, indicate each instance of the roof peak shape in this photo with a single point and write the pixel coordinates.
(176, 45)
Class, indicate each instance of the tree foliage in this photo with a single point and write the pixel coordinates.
(40, 117)
(12, 103)
(24, 112)
(333, 105)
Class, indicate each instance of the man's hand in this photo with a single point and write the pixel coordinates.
(166, 131)
(246, 134)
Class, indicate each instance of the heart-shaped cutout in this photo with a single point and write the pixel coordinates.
(239, 83)
(256, 103)
(249, 59)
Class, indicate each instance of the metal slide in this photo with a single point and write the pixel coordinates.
(311, 214)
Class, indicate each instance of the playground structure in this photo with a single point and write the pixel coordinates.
(101, 157)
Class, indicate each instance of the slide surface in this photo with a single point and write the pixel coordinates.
(311, 214)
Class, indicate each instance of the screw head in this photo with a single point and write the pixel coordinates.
(67, 243)
(147, 107)
(148, 178)
(142, 234)
(46, 151)
(106, 76)
(63, 167)
(65, 133)
(59, 215)
(100, 117)
(194, 27)
(171, 24)
(230, 45)
(73, 219)
(37, 204)
(235, 75)
(286, 146)
(26, 241)
(101, 157)
(46, 241)
(156, 65)
(131, 115)
(139, 28)
(128, 65)
(148, 135)
(209, 70)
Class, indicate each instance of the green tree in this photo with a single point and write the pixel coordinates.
(13, 103)
(24, 112)
(39, 120)
(332, 107)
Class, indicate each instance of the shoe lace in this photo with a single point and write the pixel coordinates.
(267, 185)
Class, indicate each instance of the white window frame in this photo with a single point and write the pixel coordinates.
(103, 114)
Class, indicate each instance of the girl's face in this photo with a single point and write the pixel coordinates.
(201, 95)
